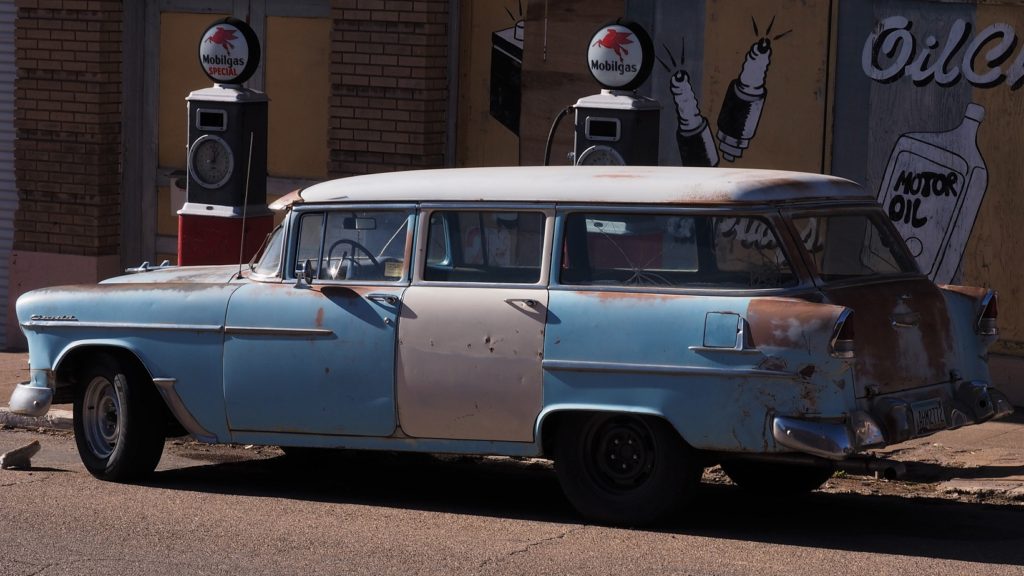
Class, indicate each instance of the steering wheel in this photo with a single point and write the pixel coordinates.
(356, 246)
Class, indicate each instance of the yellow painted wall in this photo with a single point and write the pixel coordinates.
(482, 140)
(297, 68)
(180, 74)
(791, 132)
(991, 258)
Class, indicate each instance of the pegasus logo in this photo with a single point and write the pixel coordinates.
(223, 38)
(615, 41)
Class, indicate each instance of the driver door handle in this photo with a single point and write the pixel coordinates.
(389, 299)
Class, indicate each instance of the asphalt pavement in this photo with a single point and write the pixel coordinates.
(983, 461)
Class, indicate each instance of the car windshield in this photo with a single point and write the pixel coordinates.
(853, 245)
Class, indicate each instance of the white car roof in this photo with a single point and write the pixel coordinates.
(587, 185)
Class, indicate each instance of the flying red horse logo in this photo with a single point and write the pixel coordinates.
(615, 41)
(223, 38)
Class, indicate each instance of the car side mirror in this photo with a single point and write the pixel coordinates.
(304, 274)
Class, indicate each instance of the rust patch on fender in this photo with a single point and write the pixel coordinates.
(791, 323)
(772, 363)
(319, 317)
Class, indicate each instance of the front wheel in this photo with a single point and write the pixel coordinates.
(118, 421)
(624, 469)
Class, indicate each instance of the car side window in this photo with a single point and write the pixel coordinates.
(672, 251)
(502, 247)
(361, 245)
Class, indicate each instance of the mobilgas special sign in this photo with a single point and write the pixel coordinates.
(620, 56)
(229, 51)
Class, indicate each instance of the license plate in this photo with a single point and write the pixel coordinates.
(928, 416)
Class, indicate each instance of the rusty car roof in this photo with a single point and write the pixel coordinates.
(587, 185)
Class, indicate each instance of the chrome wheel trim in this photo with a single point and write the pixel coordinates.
(101, 417)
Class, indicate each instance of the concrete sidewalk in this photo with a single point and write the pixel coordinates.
(985, 460)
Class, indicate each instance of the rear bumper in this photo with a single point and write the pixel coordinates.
(892, 419)
(915, 413)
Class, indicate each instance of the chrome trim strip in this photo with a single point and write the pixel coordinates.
(30, 325)
(619, 367)
(177, 407)
(271, 331)
(836, 329)
(712, 349)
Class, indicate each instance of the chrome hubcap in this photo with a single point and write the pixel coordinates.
(101, 416)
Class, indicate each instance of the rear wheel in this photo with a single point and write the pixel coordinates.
(118, 420)
(624, 469)
(773, 478)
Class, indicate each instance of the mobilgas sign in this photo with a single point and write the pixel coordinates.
(620, 55)
(229, 51)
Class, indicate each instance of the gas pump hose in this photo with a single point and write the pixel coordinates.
(551, 134)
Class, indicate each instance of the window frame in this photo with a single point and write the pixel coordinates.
(423, 230)
(867, 209)
(294, 230)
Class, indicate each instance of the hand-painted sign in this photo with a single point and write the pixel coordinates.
(893, 50)
(620, 56)
(229, 51)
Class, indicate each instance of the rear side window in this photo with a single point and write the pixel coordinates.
(673, 251)
(484, 246)
(849, 246)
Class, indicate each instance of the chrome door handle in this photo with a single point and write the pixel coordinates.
(530, 303)
(389, 299)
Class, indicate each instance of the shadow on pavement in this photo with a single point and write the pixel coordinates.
(907, 526)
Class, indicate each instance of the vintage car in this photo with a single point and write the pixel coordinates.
(635, 325)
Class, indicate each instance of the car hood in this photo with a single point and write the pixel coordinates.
(182, 274)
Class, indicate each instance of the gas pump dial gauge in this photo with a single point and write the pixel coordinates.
(210, 161)
(600, 155)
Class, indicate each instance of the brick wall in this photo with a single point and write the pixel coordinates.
(68, 123)
(389, 92)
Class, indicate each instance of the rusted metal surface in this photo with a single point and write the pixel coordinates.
(905, 339)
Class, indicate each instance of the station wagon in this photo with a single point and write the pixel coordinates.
(635, 325)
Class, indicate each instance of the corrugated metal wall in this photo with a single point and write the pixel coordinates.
(8, 192)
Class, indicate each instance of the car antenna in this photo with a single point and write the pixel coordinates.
(245, 205)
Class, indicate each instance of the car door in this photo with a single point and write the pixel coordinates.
(318, 357)
(471, 332)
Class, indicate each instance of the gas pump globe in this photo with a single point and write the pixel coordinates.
(225, 216)
(617, 126)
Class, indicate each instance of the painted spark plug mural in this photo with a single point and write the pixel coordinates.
(739, 114)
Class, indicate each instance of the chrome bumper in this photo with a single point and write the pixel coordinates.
(832, 440)
(31, 400)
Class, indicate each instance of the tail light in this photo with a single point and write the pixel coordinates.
(843, 336)
(987, 325)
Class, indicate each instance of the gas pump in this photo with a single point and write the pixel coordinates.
(618, 126)
(225, 216)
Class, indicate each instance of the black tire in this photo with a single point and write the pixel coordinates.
(773, 478)
(119, 420)
(623, 469)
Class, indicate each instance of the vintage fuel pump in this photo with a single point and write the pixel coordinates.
(618, 126)
(225, 216)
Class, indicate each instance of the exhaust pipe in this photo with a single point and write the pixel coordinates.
(871, 466)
